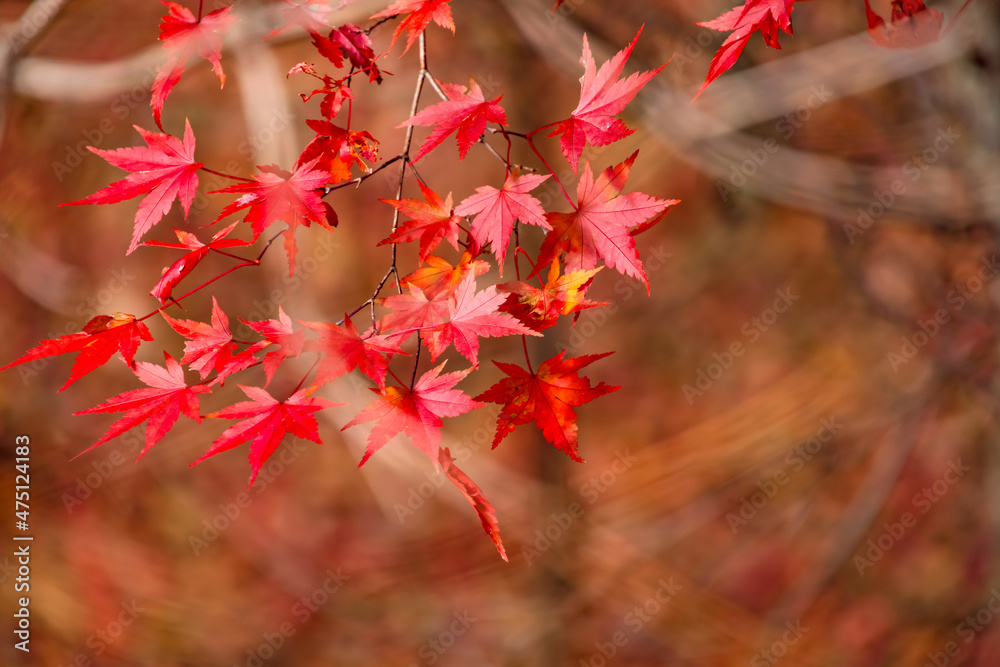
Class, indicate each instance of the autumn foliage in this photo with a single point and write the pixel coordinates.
(401, 337)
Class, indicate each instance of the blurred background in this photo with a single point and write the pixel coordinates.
(801, 466)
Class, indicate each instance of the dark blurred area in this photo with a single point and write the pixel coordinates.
(801, 467)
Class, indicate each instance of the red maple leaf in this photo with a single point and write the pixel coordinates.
(101, 337)
(414, 311)
(168, 396)
(210, 347)
(496, 211)
(352, 42)
(277, 195)
(767, 16)
(472, 315)
(602, 98)
(176, 272)
(466, 112)
(265, 421)
(911, 24)
(164, 170)
(278, 332)
(419, 15)
(540, 307)
(438, 275)
(432, 221)
(334, 91)
(335, 150)
(416, 412)
(600, 226)
(184, 36)
(344, 349)
(546, 397)
(472, 493)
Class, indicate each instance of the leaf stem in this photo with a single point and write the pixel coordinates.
(219, 173)
(527, 359)
(551, 171)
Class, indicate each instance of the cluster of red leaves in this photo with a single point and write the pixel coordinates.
(911, 24)
(439, 305)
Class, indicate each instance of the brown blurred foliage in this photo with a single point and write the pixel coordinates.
(802, 465)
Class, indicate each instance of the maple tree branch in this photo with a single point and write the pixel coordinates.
(357, 181)
(433, 83)
(245, 262)
(177, 300)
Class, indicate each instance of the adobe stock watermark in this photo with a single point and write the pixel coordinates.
(913, 169)
(796, 460)
(967, 630)
(120, 109)
(635, 620)
(923, 501)
(956, 297)
(778, 649)
(302, 611)
(590, 490)
(33, 20)
(230, 512)
(101, 640)
(432, 650)
(85, 485)
(752, 330)
(787, 125)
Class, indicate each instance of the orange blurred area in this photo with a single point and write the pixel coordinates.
(801, 467)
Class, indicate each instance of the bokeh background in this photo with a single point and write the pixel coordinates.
(826, 496)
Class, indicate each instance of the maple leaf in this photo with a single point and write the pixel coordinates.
(496, 211)
(335, 149)
(335, 92)
(599, 227)
(352, 42)
(466, 112)
(440, 276)
(540, 307)
(265, 421)
(344, 349)
(767, 16)
(310, 15)
(473, 315)
(911, 24)
(278, 332)
(546, 397)
(184, 36)
(210, 347)
(277, 195)
(433, 221)
(416, 412)
(414, 311)
(176, 272)
(419, 15)
(166, 398)
(472, 493)
(164, 170)
(101, 337)
(602, 98)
